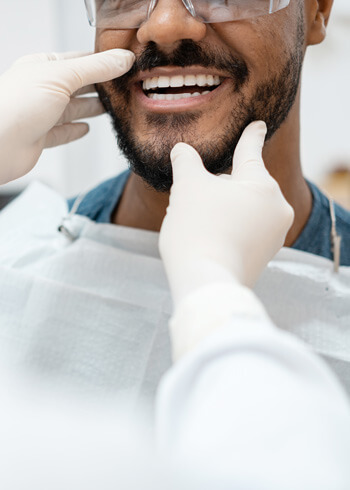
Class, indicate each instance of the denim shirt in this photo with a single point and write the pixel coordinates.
(100, 203)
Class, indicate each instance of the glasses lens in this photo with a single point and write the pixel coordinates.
(226, 10)
(117, 14)
(130, 14)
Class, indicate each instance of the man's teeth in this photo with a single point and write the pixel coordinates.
(181, 81)
(156, 96)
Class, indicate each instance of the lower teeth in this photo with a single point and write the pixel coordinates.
(186, 95)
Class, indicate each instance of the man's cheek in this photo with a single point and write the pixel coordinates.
(110, 100)
(112, 39)
(108, 90)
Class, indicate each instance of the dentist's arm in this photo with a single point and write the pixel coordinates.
(40, 103)
(245, 405)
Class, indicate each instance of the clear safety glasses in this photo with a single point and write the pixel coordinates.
(130, 14)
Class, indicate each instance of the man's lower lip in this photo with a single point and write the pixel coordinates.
(178, 105)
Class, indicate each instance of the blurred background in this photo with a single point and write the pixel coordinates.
(61, 25)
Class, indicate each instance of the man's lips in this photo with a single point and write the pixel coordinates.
(173, 88)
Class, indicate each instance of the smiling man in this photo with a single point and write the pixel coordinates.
(203, 71)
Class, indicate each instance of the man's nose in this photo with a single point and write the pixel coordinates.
(170, 22)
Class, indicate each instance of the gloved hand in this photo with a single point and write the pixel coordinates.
(38, 103)
(222, 228)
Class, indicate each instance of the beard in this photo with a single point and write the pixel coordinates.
(271, 102)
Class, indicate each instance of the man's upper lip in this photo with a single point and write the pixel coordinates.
(168, 71)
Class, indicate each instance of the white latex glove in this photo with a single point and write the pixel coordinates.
(38, 103)
(222, 228)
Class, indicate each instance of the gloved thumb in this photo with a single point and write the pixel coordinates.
(186, 162)
(247, 158)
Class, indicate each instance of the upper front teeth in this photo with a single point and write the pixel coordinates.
(180, 81)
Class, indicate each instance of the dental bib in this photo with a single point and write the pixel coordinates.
(89, 308)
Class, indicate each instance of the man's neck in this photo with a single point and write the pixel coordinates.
(140, 206)
(144, 208)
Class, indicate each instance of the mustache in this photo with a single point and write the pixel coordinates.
(188, 53)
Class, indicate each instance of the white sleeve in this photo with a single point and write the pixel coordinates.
(250, 405)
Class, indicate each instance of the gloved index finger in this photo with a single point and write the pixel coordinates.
(95, 68)
(186, 162)
(250, 145)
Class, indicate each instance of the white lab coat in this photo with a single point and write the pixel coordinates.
(251, 406)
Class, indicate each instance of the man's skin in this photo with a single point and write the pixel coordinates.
(263, 43)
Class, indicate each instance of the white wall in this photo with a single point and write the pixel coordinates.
(61, 25)
(326, 98)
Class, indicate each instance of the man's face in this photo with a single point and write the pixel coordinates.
(253, 67)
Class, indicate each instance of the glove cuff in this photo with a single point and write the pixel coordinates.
(206, 310)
